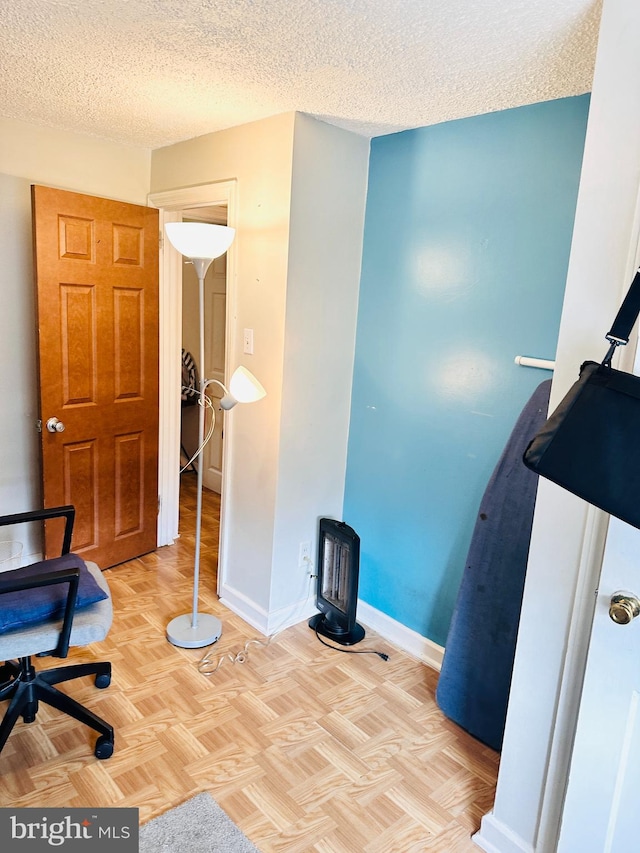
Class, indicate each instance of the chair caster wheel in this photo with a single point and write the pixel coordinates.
(103, 680)
(104, 747)
(29, 712)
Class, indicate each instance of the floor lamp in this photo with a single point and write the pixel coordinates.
(202, 243)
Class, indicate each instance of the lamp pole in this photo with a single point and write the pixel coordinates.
(197, 629)
(202, 243)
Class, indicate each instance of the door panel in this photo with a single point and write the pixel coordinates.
(623, 824)
(215, 285)
(128, 344)
(97, 296)
(78, 333)
(80, 480)
(129, 485)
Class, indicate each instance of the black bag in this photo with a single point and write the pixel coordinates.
(590, 445)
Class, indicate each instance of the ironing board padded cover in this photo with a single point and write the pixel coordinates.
(473, 688)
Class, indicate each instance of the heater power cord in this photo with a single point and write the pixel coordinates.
(381, 655)
(209, 665)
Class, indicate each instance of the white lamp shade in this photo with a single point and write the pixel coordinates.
(200, 239)
(245, 387)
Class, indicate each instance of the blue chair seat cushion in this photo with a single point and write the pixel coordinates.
(39, 604)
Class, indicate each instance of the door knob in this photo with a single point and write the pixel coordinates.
(624, 607)
(54, 425)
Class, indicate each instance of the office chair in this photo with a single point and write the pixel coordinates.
(44, 609)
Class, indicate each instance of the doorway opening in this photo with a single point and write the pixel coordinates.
(215, 321)
(210, 456)
(214, 203)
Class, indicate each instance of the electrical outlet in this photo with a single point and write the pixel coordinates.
(304, 555)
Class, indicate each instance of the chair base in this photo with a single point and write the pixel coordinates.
(9, 672)
(28, 688)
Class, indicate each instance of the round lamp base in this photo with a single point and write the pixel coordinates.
(181, 632)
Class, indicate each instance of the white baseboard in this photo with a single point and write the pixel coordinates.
(246, 609)
(292, 615)
(495, 837)
(409, 641)
(19, 560)
(267, 623)
(404, 638)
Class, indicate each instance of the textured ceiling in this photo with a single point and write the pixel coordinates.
(153, 72)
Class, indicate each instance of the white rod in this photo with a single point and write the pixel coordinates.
(543, 363)
(203, 385)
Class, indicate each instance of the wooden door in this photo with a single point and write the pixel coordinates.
(96, 264)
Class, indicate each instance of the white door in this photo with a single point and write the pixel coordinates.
(599, 814)
(215, 314)
(215, 319)
(604, 781)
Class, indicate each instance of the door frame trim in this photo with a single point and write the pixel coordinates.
(171, 204)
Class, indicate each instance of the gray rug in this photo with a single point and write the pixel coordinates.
(197, 826)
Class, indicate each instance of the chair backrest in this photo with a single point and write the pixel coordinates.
(90, 624)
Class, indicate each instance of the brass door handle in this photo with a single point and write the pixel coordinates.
(624, 607)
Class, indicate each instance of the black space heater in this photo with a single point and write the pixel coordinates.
(337, 583)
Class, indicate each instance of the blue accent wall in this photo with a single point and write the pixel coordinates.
(466, 246)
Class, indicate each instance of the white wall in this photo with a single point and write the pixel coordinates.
(73, 161)
(549, 664)
(299, 219)
(330, 169)
(30, 154)
(258, 156)
(19, 460)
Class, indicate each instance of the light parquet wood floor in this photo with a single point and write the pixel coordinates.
(307, 749)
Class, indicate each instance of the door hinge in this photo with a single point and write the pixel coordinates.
(161, 240)
(39, 425)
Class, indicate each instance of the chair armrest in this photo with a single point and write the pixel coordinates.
(68, 512)
(70, 576)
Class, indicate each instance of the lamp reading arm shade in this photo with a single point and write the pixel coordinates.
(243, 388)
